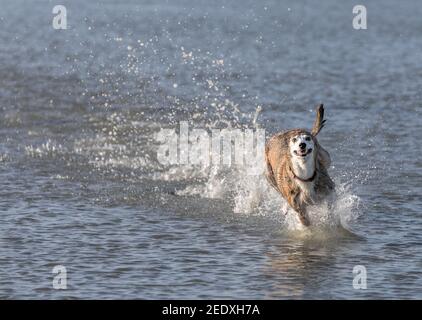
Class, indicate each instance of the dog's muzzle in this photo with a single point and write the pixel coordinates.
(303, 152)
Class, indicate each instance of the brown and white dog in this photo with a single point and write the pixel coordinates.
(297, 167)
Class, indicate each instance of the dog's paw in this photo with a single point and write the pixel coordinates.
(304, 219)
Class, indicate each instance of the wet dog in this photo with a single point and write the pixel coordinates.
(296, 166)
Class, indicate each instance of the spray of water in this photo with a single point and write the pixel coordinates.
(252, 195)
(124, 141)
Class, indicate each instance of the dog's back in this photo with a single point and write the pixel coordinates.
(275, 152)
(277, 158)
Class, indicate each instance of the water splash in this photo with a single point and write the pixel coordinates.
(252, 195)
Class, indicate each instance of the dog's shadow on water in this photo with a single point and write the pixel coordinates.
(305, 262)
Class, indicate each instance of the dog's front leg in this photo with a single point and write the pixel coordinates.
(300, 208)
(303, 217)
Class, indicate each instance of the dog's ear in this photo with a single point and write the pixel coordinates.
(319, 121)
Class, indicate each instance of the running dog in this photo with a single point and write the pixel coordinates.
(296, 166)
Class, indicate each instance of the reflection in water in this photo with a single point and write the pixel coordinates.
(298, 262)
(79, 178)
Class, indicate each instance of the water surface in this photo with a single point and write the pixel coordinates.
(81, 186)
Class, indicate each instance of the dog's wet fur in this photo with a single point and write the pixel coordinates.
(297, 167)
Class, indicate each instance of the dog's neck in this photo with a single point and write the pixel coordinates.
(303, 169)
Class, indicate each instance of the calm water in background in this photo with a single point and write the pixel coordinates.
(81, 187)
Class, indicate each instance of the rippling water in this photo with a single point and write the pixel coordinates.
(81, 186)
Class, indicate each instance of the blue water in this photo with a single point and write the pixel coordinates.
(80, 184)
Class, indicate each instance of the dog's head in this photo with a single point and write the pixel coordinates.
(301, 144)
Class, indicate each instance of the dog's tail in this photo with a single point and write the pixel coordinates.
(319, 121)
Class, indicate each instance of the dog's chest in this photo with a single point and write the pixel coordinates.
(307, 190)
(305, 170)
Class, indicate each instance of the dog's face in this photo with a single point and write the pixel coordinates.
(302, 146)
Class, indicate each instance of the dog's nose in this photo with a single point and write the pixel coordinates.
(302, 145)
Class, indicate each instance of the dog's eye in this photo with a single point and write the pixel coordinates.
(308, 138)
(294, 140)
